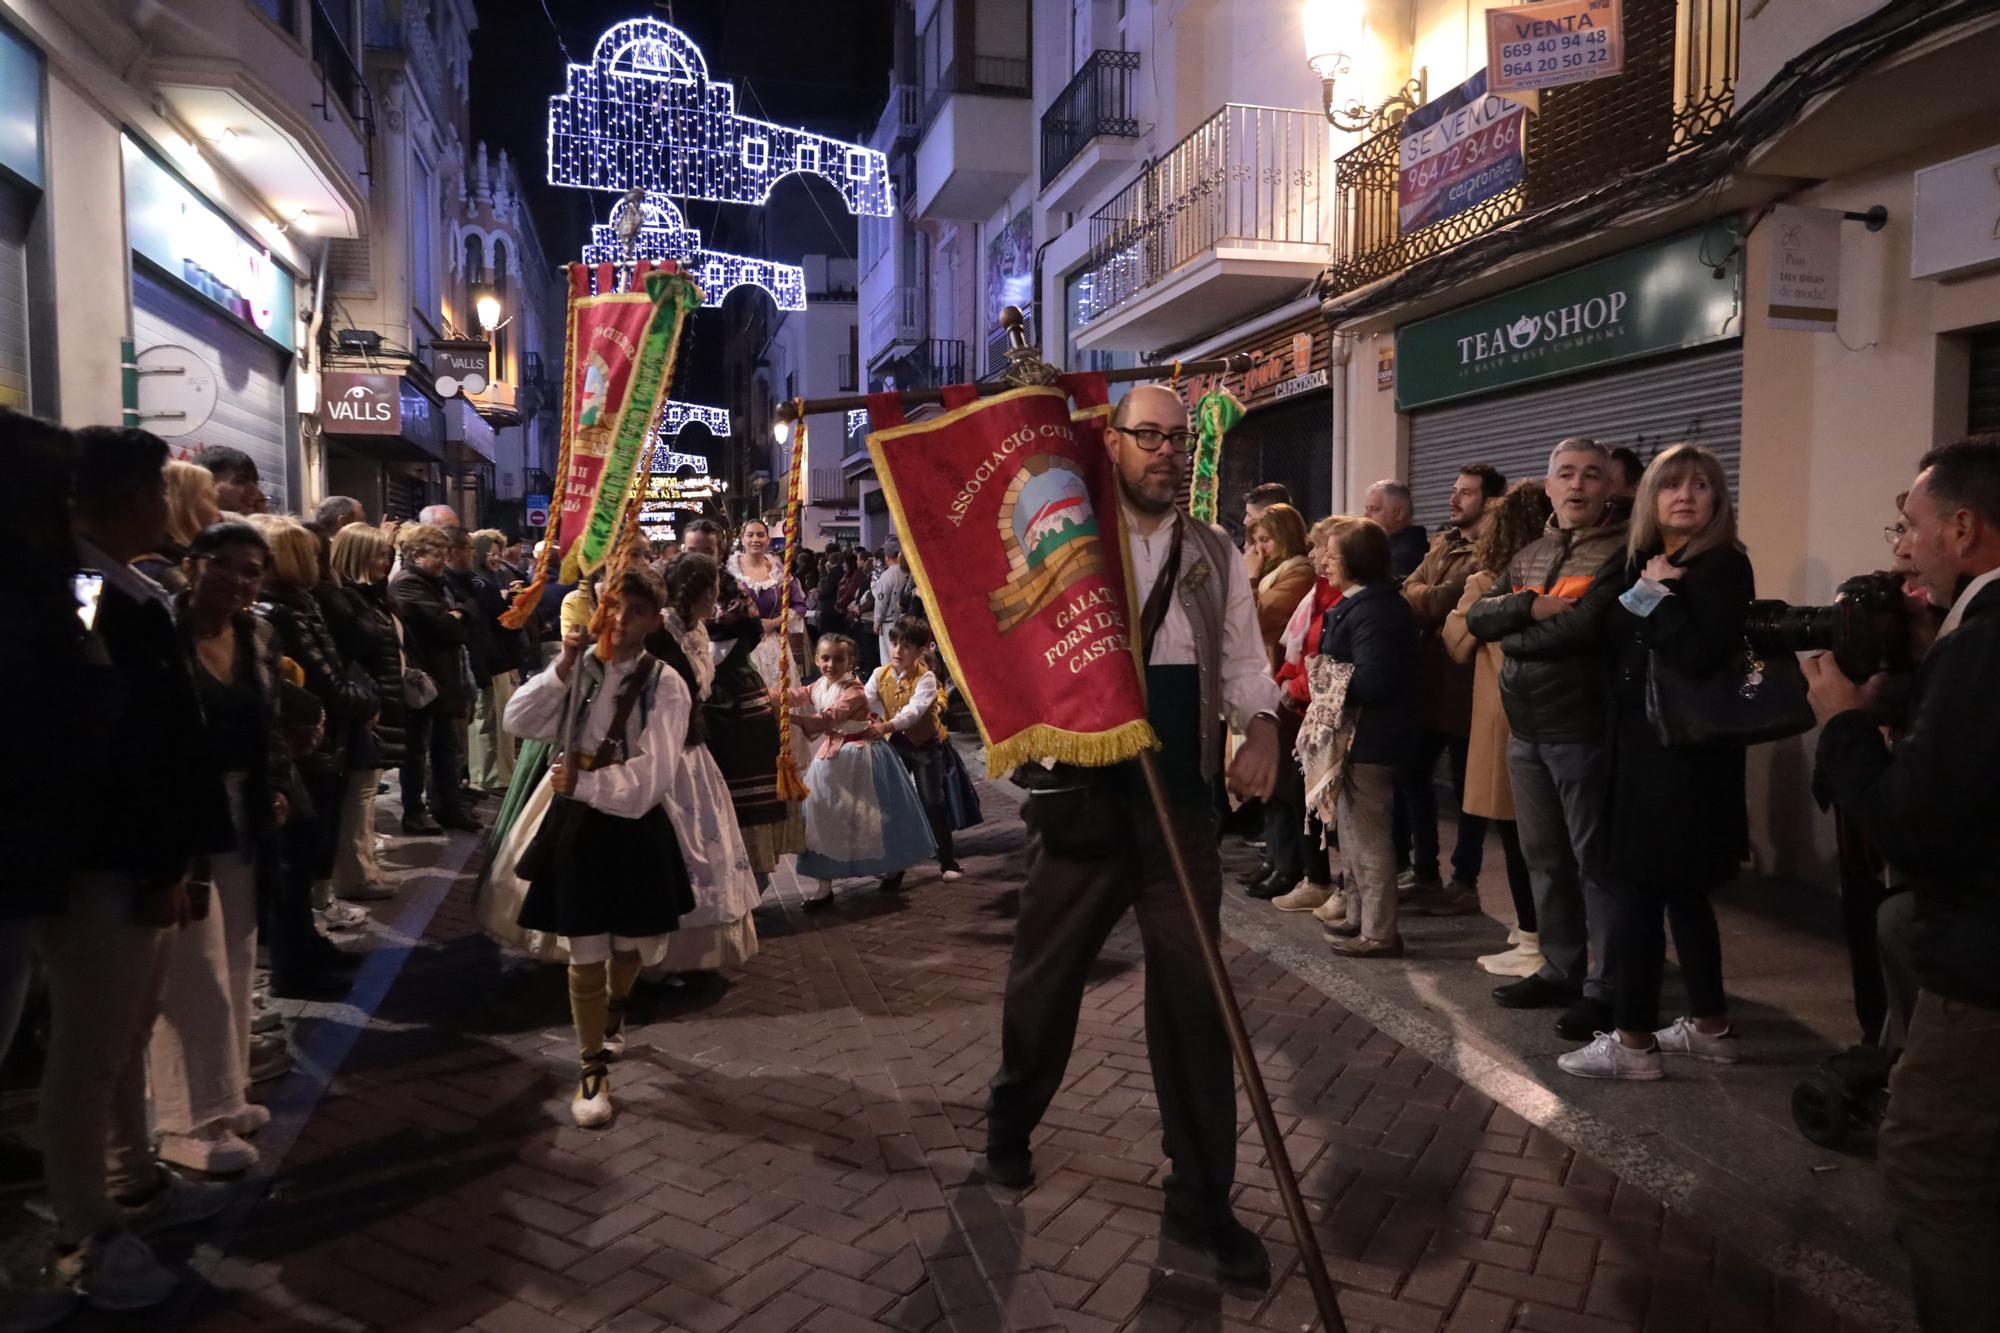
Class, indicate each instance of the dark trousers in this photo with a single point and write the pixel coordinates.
(1639, 952)
(1520, 885)
(1417, 788)
(1861, 896)
(1292, 844)
(430, 750)
(1940, 1154)
(1069, 904)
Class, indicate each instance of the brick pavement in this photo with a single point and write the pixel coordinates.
(792, 1152)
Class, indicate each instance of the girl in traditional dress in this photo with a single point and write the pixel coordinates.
(862, 813)
(604, 866)
(762, 576)
(905, 697)
(719, 932)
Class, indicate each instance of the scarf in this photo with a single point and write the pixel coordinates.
(695, 645)
(1324, 735)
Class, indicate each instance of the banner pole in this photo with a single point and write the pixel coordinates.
(1310, 1257)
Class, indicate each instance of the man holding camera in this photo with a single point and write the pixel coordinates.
(1928, 807)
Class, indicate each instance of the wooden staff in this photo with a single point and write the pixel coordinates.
(1310, 1257)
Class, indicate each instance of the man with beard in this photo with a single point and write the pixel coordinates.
(1097, 850)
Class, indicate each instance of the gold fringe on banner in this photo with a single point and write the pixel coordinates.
(791, 786)
(1093, 749)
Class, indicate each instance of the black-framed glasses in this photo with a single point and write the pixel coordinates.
(1152, 441)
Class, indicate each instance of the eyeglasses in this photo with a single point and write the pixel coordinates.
(1895, 532)
(1152, 441)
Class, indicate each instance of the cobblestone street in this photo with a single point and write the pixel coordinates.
(794, 1143)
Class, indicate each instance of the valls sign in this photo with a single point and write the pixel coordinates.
(1675, 293)
(359, 404)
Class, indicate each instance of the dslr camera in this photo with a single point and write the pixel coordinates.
(1867, 627)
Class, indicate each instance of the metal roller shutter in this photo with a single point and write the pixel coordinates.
(250, 406)
(1697, 398)
(13, 301)
(1287, 442)
(1983, 411)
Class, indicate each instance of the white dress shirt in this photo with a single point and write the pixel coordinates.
(644, 780)
(1247, 687)
(913, 712)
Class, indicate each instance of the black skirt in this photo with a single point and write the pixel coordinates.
(608, 875)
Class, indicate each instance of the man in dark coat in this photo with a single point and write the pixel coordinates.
(434, 639)
(1929, 807)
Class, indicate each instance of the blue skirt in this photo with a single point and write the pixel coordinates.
(862, 815)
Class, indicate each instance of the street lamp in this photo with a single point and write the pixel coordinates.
(1333, 33)
(486, 307)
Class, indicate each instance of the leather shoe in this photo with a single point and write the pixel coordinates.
(1238, 1252)
(461, 821)
(1015, 1171)
(421, 825)
(1536, 992)
(1258, 875)
(1585, 1019)
(1271, 886)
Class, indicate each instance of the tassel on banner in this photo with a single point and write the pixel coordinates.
(626, 541)
(526, 600)
(791, 786)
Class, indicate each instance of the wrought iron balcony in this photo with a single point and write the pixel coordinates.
(1254, 176)
(1098, 101)
(1678, 88)
(931, 364)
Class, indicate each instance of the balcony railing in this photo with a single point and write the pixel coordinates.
(899, 117)
(1677, 89)
(1249, 175)
(897, 317)
(981, 76)
(1098, 101)
(931, 364)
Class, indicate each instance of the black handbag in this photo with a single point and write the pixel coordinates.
(1752, 700)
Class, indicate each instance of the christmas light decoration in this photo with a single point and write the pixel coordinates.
(664, 234)
(857, 423)
(643, 112)
(666, 460)
(676, 415)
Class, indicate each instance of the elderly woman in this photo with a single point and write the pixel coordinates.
(434, 638)
(1374, 630)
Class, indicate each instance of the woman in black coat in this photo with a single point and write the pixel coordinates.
(434, 638)
(355, 606)
(1675, 822)
(1373, 629)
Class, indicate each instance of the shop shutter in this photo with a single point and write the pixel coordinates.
(250, 407)
(13, 302)
(1286, 442)
(1984, 409)
(1697, 398)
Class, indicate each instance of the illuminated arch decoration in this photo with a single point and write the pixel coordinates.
(643, 112)
(664, 234)
(678, 485)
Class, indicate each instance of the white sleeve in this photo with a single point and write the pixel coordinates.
(535, 711)
(1247, 687)
(632, 788)
(919, 706)
(874, 697)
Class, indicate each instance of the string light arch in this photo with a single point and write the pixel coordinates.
(664, 234)
(644, 112)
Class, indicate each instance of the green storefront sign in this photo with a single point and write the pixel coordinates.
(1658, 298)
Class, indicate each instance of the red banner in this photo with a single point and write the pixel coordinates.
(1010, 522)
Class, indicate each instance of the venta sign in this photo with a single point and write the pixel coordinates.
(353, 403)
(1658, 298)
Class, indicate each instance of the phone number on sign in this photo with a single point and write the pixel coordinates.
(1520, 60)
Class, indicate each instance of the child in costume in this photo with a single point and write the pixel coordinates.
(905, 696)
(604, 868)
(862, 815)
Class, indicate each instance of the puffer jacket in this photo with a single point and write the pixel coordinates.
(349, 698)
(1552, 679)
(357, 615)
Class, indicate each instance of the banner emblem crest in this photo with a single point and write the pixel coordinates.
(1050, 534)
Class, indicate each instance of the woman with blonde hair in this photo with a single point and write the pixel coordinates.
(191, 507)
(1518, 517)
(1675, 822)
(356, 608)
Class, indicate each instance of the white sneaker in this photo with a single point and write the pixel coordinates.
(1334, 910)
(179, 1202)
(1684, 1038)
(344, 916)
(952, 876)
(1608, 1057)
(591, 1107)
(1523, 960)
(115, 1270)
(1307, 897)
(214, 1148)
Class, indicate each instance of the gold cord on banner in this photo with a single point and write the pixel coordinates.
(626, 542)
(529, 597)
(791, 787)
